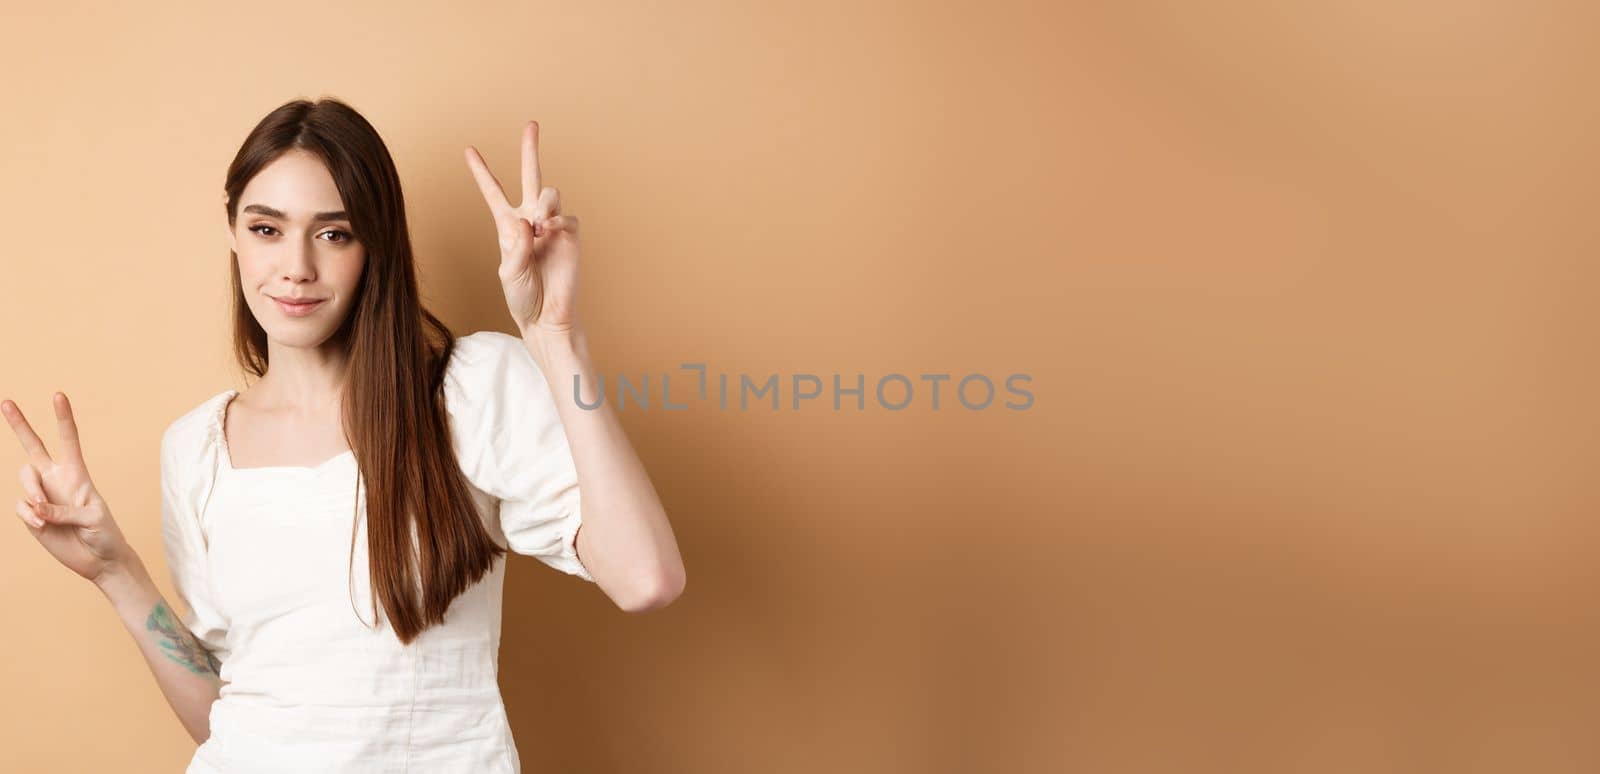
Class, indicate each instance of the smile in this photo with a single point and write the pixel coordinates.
(297, 310)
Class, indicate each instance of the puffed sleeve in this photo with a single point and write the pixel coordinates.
(184, 547)
(511, 444)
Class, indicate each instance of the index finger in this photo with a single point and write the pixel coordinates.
(530, 162)
(25, 435)
(488, 185)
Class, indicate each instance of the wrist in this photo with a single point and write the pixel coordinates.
(122, 579)
(549, 346)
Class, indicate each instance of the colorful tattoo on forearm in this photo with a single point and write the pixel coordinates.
(179, 644)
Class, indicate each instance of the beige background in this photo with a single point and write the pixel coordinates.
(1305, 290)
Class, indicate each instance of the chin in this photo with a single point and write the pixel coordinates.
(300, 339)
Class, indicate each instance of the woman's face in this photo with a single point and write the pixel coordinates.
(293, 241)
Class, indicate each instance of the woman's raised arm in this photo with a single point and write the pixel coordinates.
(65, 513)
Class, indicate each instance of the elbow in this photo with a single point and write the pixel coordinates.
(199, 730)
(655, 592)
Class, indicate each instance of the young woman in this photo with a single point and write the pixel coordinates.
(335, 531)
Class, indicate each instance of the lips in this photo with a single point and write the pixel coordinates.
(298, 307)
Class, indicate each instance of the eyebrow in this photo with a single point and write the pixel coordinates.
(317, 218)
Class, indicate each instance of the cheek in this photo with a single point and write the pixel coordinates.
(351, 276)
(251, 266)
(348, 276)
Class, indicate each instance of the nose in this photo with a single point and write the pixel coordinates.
(298, 265)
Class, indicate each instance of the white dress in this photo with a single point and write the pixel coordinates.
(261, 559)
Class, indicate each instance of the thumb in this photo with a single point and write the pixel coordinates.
(527, 230)
(61, 514)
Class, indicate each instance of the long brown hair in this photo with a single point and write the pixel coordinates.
(426, 542)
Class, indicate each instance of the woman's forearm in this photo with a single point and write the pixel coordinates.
(640, 564)
(185, 670)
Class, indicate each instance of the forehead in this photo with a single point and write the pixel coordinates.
(296, 183)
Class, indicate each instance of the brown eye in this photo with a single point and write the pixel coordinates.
(262, 225)
(344, 236)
